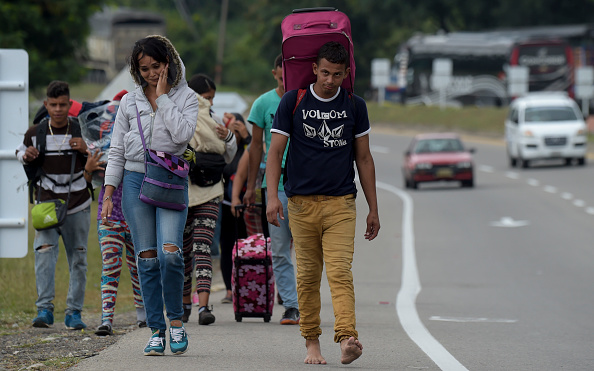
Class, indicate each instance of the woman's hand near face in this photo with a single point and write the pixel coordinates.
(163, 86)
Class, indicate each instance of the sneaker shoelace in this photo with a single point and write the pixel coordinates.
(177, 334)
(155, 341)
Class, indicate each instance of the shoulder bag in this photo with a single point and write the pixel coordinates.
(208, 169)
(165, 177)
(52, 213)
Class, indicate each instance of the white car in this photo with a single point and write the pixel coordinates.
(545, 126)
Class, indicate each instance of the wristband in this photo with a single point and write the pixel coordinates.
(107, 198)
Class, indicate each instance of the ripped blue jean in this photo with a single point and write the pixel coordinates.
(161, 278)
(75, 233)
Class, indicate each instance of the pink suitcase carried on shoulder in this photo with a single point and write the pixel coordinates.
(252, 279)
(304, 32)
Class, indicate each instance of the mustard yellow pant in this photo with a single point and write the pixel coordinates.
(323, 229)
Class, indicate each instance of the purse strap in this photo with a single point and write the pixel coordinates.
(142, 137)
(146, 151)
(72, 164)
(140, 129)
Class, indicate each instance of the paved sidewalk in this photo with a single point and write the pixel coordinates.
(255, 345)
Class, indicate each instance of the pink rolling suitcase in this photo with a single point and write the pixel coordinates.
(252, 279)
(304, 32)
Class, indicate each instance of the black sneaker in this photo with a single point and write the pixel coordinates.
(104, 330)
(205, 317)
(290, 317)
(187, 311)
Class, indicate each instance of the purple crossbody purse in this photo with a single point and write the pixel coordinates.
(165, 177)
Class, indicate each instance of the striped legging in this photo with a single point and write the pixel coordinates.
(198, 235)
(113, 240)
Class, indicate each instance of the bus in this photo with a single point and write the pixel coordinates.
(480, 65)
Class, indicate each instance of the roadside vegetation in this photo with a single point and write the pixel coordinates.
(18, 292)
(486, 121)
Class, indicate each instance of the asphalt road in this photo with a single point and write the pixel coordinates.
(498, 277)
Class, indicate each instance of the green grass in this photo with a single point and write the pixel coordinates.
(486, 121)
(62, 363)
(472, 120)
(18, 292)
(86, 92)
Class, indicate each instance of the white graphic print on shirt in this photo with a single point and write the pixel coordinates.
(331, 138)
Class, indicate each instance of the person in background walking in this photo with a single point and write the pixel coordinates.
(261, 116)
(203, 210)
(115, 242)
(61, 144)
(231, 227)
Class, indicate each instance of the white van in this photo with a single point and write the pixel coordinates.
(545, 126)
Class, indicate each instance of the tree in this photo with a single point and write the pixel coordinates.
(52, 32)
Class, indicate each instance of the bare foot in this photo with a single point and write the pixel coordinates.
(314, 353)
(351, 349)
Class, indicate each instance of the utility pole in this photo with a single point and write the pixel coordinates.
(221, 44)
(182, 9)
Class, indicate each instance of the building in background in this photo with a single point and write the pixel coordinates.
(113, 34)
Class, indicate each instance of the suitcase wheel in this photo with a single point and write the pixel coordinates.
(238, 317)
(267, 318)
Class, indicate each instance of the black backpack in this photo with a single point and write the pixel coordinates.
(34, 169)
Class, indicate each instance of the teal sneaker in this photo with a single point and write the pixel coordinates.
(73, 321)
(156, 344)
(44, 319)
(178, 339)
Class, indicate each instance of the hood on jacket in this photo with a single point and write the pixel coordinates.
(175, 75)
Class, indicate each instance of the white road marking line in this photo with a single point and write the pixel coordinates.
(471, 319)
(411, 287)
(509, 222)
(379, 149)
(486, 168)
(533, 182)
(550, 189)
(579, 203)
(512, 175)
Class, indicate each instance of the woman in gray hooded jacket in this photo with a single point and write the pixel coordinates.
(168, 110)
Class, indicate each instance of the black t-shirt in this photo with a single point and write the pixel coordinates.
(321, 150)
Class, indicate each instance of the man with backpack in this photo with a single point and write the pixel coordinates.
(47, 152)
(261, 116)
(329, 130)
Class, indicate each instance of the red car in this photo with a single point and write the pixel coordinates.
(437, 157)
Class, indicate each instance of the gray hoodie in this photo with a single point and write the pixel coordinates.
(173, 123)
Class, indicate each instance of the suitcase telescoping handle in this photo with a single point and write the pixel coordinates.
(318, 9)
(241, 207)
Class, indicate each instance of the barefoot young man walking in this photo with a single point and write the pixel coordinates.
(329, 130)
